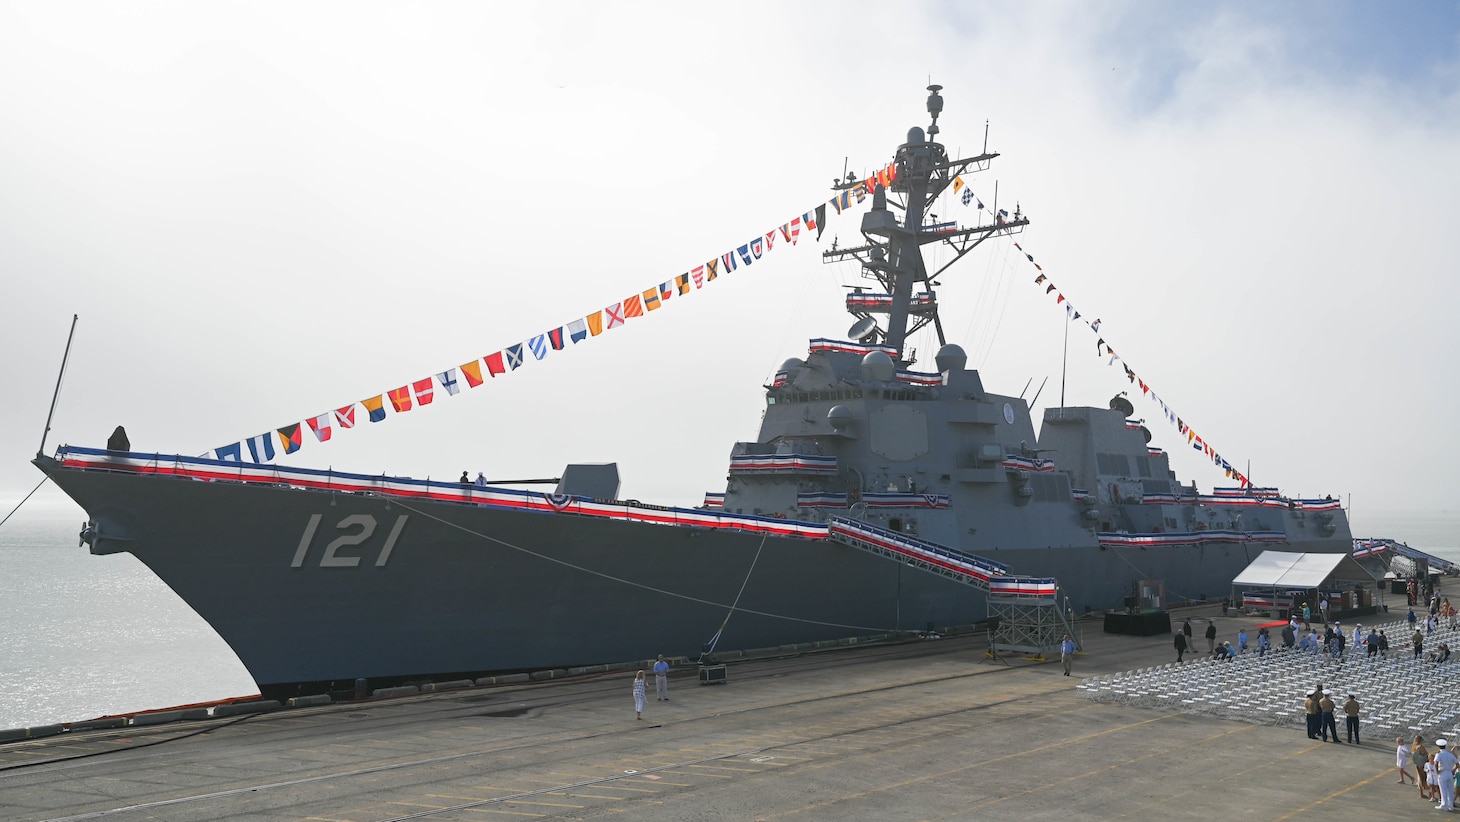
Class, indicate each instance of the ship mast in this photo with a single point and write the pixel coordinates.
(893, 253)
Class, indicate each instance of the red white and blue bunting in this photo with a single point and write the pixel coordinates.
(1027, 464)
(782, 464)
(1121, 540)
(872, 499)
(862, 301)
(206, 469)
(978, 568)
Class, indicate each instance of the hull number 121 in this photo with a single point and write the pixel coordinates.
(356, 529)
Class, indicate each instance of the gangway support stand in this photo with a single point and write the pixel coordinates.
(1027, 624)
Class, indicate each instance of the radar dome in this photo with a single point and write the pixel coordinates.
(950, 358)
(915, 136)
(878, 367)
(839, 416)
(792, 364)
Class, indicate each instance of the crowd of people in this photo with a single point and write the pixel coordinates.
(1435, 773)
(1302, 636)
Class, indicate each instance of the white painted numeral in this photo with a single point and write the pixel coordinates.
(331, 557)
(400, 522)
(367, 527)
(305, 540)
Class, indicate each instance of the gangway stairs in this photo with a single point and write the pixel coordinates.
(1367, 548)
(1024, 610)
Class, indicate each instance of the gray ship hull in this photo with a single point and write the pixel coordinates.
(316, 587)
(477, 589)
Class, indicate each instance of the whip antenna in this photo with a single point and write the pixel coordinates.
(41, 452)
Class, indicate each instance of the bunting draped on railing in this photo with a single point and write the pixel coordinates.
(863, 301)
(419, 393)
(1370, 547)
(1124, 540)
(872, 499)
(1014, 463)
(1258, 600)
(978, 567)
(1239, 501)
(276, 476)
(782, 464)
(821, 345)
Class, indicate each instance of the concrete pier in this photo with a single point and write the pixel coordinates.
(916, 730)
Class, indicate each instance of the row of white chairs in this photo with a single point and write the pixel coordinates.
(1399, 695)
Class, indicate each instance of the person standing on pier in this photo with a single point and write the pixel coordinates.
(661, 680)
(1445, 775)
(1186, 629)
(1401, 759)
(1211, 636)
(1180, 645)
(1351, 719)
(639, 695)
(1067, 654)
(1329, 725)
(1419, 755)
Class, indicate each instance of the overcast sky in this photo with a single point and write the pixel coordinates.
(265, 211)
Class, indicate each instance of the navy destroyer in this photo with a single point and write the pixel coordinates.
(876, 497)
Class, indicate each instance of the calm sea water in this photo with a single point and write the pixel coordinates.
(83, 636)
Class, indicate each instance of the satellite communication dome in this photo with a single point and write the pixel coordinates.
(950, 358)
(792, 364)
(839, 416)
(878, 367)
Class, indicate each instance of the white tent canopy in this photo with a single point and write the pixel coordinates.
(1284, 569)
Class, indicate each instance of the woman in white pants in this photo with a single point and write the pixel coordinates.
(639, 695)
